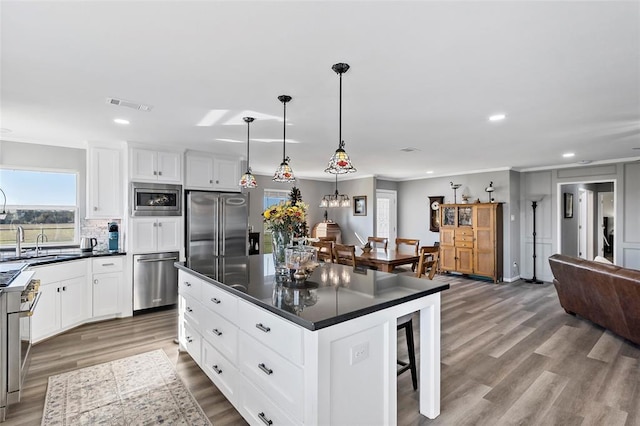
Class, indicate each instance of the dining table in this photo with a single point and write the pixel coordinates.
(385, 260)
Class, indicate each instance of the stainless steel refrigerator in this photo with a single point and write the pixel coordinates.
(217, 234)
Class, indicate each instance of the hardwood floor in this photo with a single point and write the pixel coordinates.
(510, 355)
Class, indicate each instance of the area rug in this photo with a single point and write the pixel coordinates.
(139, 390)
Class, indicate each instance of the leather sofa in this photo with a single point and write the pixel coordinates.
(607, 295)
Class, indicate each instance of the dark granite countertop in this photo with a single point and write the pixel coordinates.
(332, 294)
(45, 259)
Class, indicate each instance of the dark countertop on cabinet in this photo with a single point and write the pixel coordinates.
(332, 294)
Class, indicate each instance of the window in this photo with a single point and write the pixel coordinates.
(44, 203)
(271, 197)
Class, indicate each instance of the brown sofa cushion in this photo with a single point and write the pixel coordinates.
(607, 295)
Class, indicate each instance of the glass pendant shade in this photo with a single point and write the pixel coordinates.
(340, 163)
(248, 180)
(284, 173)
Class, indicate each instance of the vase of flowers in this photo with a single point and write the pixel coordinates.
(285, 221)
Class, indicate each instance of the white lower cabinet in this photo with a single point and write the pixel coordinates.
(64, 299)
(257, 409)
(220, 370)
(107, 282)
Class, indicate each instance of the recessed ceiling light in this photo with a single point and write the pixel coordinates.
(497, 117)
(568, 154)
(429, 172)
(120, 121)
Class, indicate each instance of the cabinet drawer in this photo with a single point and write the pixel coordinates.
(221, 334)
(219, 301)
(107, 264)
(188, 284)
(191, 310)
(257, 409)
(464, 232)
(467, 244)
(220, 370)
(192, 341)
(272, 373)
(274, 332)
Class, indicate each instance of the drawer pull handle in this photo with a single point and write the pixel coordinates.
(216, 301)
(189, 309)
(216, 369)
(189, 339)
(261, 327)
(187, 283)
(264, 368)
(264, 419)
(108, 264)
(217, 332)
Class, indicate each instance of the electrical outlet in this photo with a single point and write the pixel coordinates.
(515, 264)
(359, 353)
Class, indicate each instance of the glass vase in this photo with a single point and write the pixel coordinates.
(280, 240)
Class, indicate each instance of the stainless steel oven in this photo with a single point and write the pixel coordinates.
(155, 199)
(16, 309)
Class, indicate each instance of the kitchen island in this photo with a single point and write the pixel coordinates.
(323, 353)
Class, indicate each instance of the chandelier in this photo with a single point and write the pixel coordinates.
(336, 199)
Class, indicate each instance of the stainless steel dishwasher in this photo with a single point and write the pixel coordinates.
(155, 280)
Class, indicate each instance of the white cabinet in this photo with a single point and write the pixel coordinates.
(157, 166)
(64, 301)
(107, 280)
(156, 234)
(205, 171)
(104, 183)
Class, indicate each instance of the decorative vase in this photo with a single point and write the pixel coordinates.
(280, 240)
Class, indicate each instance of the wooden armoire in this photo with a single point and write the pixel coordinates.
(471, 239)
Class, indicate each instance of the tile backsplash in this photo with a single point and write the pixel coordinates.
(99, 229)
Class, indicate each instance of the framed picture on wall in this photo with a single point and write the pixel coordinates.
(359, 205)
(568, 205)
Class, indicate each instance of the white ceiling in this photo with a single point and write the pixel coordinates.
(424, 75)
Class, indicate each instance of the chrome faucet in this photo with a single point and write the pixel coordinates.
(44, 238)
(19, 240)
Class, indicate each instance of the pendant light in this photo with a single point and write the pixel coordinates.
(283, 172)
(248, 180)
(339, 162)
(336, 199)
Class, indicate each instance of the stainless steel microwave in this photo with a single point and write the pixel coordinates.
(155, 199)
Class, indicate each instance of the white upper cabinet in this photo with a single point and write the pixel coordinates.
(157, 166)
(104, 183)
(209, 172)
(150, 234)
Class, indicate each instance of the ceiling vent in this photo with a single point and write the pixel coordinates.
(129, 104)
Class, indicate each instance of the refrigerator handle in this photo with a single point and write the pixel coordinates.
(222, 226)
(216, 221)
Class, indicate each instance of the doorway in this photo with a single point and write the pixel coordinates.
(582, 233)
(386, 214)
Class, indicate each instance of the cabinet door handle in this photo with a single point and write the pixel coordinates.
(216, 369)
(189, 339)
(58, 289)
(160, 173)
(95, 281)
(187, 283)
(64, 288)
(261, 327)
(155, 173)
(95, 209)
(217, 332)
(266, 370)
(189, 309)
(159, 223)
(216, 301)
(264, 419)
(210, 180)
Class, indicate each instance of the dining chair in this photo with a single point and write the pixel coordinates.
(378, 242)
(344, 254)
(406, 323)
(325, 250)
(405, 245)
(429, 256)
